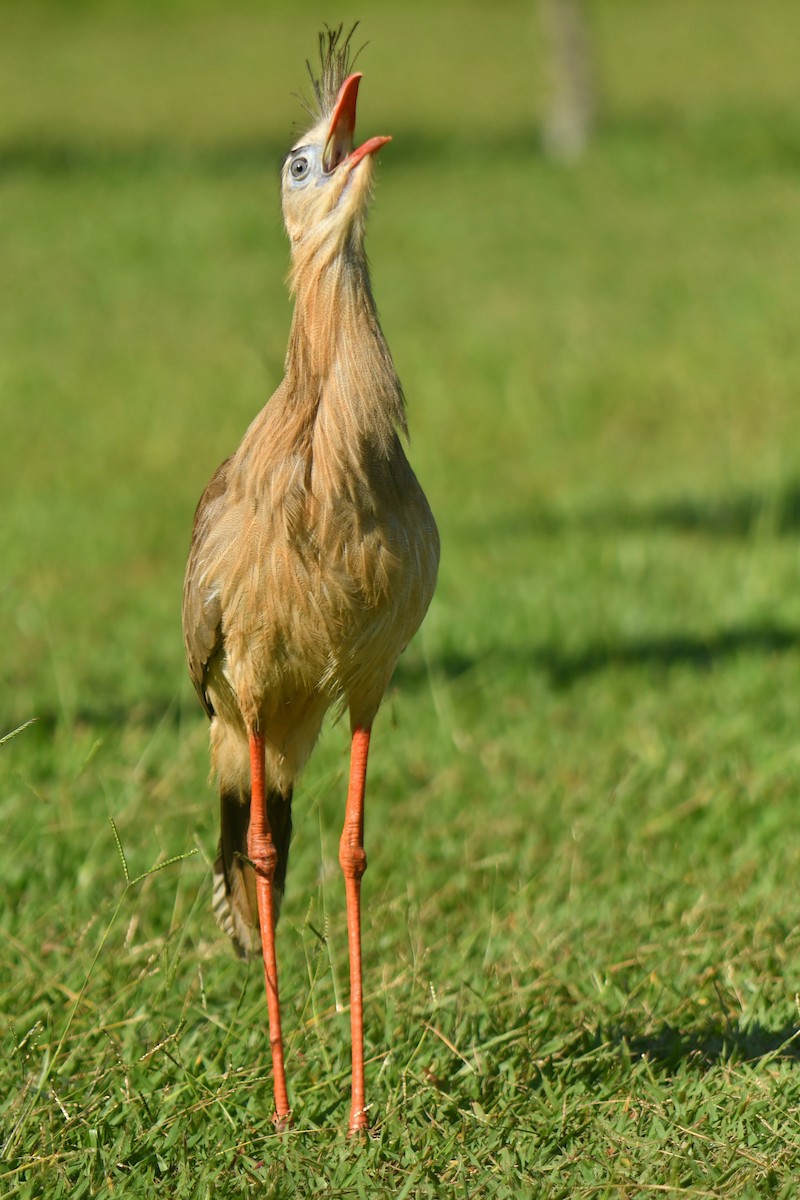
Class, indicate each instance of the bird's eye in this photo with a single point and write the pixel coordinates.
(299, 167)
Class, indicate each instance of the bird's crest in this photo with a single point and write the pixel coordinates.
(336, 61)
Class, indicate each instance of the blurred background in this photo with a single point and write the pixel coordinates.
(606, 323)
(585, 243)
(612, 330)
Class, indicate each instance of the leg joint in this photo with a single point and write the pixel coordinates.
(352, 860)
(263, 856)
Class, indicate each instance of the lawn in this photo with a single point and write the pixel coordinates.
(582, 925)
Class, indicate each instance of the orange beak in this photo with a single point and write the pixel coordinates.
(339, 146)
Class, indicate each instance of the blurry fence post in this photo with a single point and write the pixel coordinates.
(571, 104)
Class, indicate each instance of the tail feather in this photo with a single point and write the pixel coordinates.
(234, 896)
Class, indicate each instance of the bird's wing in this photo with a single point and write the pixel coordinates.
(202, 607)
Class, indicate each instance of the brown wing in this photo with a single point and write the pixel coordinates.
(202, 611)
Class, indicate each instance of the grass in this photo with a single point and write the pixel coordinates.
(582, 934)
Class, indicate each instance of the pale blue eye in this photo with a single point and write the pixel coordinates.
(299, 167)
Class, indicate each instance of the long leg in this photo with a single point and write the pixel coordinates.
(353, 861)
(264, 857)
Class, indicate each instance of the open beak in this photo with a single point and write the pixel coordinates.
(339, 146)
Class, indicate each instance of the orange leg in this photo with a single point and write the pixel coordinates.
(353, 861)
(264, 857)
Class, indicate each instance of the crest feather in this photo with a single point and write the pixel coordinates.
(336, 60)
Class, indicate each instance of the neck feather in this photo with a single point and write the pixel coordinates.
(337, 359)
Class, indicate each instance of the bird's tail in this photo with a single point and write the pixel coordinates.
(234, 896)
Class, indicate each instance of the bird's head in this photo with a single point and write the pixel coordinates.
(325, 181)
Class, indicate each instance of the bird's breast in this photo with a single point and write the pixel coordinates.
(320, 598)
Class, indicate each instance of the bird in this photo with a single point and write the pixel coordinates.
(314, 555)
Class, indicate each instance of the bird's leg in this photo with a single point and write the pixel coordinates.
(264, 856)
(353, 861)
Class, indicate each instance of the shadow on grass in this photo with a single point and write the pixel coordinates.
(100, 717)
(697, 653)
(63, 157)
(712, 1044)
(669, 1048)
(742, 515)
(561, 667)
(72, 156)
(730, 140)
(733, 138)
(564, 668)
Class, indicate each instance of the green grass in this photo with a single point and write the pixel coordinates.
(582, 927)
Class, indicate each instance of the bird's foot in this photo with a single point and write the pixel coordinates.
(283, 1123)
(359, 1125)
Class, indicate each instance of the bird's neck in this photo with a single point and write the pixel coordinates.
(338, 365)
